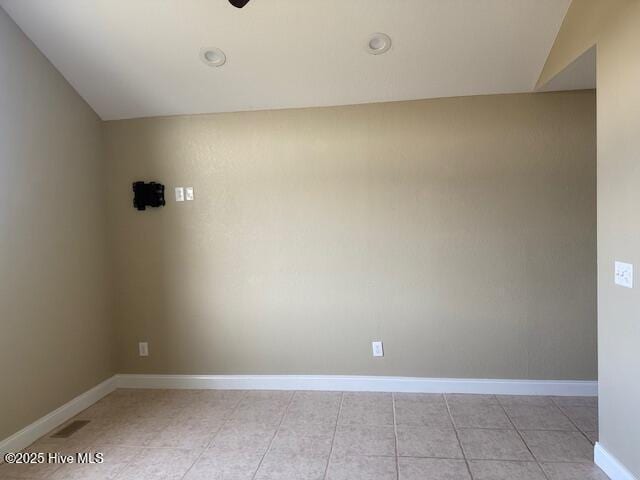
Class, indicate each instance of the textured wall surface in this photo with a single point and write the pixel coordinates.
(56, 333)
(461, 232)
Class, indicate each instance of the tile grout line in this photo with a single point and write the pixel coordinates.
(275, 434)
(233, 410)
(571, 420)
(544, 473)
(395, 434)
(455, 430)
(333, 439)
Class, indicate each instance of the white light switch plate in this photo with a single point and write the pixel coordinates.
(377, 349)
(179, 194)
(624, 274)
(143, 349)
(188, 193)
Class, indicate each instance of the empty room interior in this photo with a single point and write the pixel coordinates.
(319, 239)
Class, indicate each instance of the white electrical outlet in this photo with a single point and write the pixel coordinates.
(624, 274)
(188, 193)
(143, 349)
(179, 194)
(377, 349)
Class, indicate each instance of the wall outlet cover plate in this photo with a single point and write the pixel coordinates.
(377, 349)
(624, 274)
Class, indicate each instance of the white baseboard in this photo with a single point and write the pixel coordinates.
(42, 426)
(610, 464)
(361, 383)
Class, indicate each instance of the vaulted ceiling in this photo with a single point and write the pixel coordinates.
(140, 58)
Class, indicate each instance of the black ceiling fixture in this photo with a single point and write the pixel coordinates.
(238, 3)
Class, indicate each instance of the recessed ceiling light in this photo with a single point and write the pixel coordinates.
(212, 56)
(378, 43)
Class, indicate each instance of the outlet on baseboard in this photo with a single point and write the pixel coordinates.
(143, 349)
(377, 349)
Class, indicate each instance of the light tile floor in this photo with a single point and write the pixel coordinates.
(277, 435)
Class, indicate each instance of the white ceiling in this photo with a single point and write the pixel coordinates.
(139, 58)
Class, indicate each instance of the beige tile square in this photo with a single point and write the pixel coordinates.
(479, 416)
(277, 396)
(214, 465)
(292, 467)
(314, 407)
(110, 406)
(501, 470)
(416, 412)
(434, 398)
(259, 411)
(6, 477)
(556, 446)
(310, 396)
(375, 440)
(217, 399)
(243, 438)
(160, 463)
(532, 400)
(432, 469)
(323, 414)
(187, 433)
(470, 399)
(585, 418)
(161, 406)
(529, 417)
(414, 441)
(367, 409)
(493, 445)
(362, 468)
(573, 471)
(182, 398)
(304, 439)
(136, 432)
(576, 401)
(205, 412)
(213, 404)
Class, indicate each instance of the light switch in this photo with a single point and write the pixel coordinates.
(377, 349)
(143, 349)
(179, 194)
(188, 193)
(624, 274)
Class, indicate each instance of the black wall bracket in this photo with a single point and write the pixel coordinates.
(148, 195)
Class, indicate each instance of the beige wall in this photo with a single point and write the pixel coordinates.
(461, 232)
(614, 26)
(619, 236)
(55, 340)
